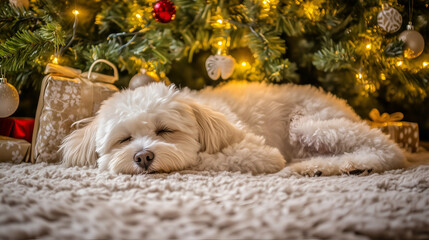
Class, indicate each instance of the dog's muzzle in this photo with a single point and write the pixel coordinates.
(144, 158)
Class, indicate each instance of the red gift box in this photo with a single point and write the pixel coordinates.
(21, 128)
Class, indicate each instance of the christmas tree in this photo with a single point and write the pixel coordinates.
(359, 50)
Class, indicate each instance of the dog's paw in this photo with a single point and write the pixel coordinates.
(324, 167)
(359, 172)
(317, 173)
(306, 171)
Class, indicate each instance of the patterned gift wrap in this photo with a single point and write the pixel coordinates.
(406, 134)
(67, 96)
(14, 150)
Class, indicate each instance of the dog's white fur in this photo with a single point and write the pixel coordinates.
(247, 127)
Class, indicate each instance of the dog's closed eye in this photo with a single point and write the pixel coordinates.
(125, 139)
(163, 130)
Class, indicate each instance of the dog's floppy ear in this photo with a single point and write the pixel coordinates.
(78, 148)
(215, 131)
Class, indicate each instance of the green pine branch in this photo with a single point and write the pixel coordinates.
(394, 49)
(282, 71)
(26, 46)
(334, 57)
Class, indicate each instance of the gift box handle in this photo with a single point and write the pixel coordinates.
(115, 70)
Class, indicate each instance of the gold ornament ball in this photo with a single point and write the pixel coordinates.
(9, 98)
(414, 43)
(142, 79)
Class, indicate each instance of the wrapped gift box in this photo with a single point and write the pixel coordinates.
(21, 128)
(14, 150)
(406, 134)
(66, 96)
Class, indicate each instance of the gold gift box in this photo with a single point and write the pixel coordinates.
(67, 96)
(406, 134)
(14, 150)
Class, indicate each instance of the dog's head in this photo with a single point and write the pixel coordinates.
(150, 129)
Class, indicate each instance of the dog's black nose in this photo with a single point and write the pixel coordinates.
(144, 158)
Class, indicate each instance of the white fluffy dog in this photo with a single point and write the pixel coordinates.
(247, 127)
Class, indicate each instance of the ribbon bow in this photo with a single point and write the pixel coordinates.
(385, 117)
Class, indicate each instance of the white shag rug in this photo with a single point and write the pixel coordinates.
(49, 201)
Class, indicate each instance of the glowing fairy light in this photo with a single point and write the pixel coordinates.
(219, 43)
(359, 76)
(266, 6)
(368, 46)
(138, 15)
(425, 64)
(244, 64)
(220, 21)
(75, 12)
(399, 63)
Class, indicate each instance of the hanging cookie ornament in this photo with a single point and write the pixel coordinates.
(142, 79)
(389, 19)
(164, 11)
(9, 98)
(414, 42)
(220, 66)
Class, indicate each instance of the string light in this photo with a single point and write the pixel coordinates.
(266, 3)
(244, 64)
(219, 43)
(218, 22)
(368, 46)
(399, 63)
(75, 12)
(138, 15)
(359, 76)
(425, 64)
(54, 59)
(266, 8)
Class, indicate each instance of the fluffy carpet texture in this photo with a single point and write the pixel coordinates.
(50, 201)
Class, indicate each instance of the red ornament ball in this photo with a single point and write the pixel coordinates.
(164, 11)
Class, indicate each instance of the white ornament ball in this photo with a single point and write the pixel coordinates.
(220, 66)
(9, 98)
(142, 79)
(20, 3)
(389, 19)
(414, 43)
